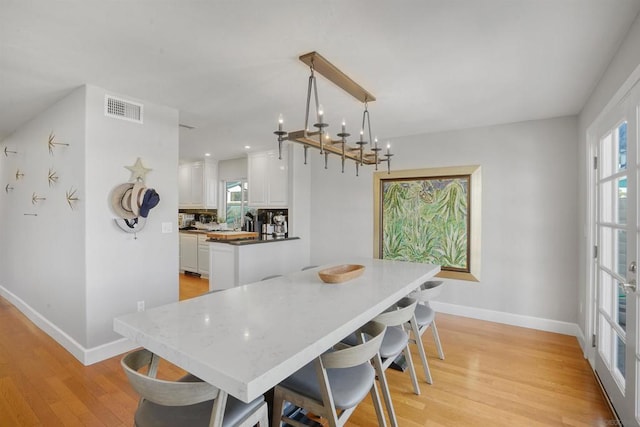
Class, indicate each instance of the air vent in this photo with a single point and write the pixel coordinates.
(122, 109)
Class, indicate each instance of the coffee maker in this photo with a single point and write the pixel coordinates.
(279, 226)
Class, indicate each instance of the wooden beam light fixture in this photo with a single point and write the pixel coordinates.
(320, 139)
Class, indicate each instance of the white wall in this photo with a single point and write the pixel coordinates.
(529, 203)
(124, 268)
(73, 271)
(299, 199)
(232, 169)
(626, 60)
(43, 257)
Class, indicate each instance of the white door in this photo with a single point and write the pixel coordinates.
(617, 358)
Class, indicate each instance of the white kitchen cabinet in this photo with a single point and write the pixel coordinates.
(268, 179)
(203, 255)
(189, 252)
(198, 184)
(194, 253)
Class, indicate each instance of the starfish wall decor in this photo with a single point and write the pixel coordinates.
(138, 172)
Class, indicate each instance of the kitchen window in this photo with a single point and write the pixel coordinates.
(235, 202)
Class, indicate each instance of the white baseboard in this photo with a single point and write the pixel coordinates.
(84, 355)
(548, 325)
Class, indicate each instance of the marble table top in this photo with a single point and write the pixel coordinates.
(247, 339)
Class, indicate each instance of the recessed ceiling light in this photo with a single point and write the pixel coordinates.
(207, 154)
(246, 147)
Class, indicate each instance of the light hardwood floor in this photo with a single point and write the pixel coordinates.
(493, 375)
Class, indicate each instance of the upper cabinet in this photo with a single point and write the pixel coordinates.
(198, 184)
(268, 179)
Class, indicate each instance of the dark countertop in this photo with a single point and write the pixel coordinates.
(250, 241)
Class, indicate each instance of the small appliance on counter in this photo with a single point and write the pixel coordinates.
(185, 220)
(279, 226)
(272, 223)
(249, 223)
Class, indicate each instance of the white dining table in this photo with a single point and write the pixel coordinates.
(245, 340)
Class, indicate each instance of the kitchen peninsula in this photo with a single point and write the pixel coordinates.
(238, 262)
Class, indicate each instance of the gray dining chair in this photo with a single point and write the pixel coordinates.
(335, 383)
(186, 402)
(426, 318)
(273, 276)
(399, 318)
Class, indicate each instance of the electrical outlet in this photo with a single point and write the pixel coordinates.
(140, 305)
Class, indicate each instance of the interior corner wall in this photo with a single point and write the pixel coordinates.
(529, 203)
(124, 268)
(42, 267)
(621, 67)
(300, 197)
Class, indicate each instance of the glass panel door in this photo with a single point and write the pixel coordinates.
(617, 359)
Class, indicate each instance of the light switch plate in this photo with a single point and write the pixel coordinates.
(167, 227)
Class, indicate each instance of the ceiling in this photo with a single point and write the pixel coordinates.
(231, 67)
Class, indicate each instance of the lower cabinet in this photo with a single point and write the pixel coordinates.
(194, 253)
(189, 252)
(203, 255)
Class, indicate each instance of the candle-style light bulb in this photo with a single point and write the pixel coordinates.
(388, 148)
(344, 124)
(375, 141)
(361, 135)
(280, 121)
(320, 114)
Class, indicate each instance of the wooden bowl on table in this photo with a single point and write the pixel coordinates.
(341, 273)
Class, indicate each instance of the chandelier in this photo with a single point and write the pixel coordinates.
(320, 138)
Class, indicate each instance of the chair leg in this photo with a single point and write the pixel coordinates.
(412, 369)
(436, 338)
(259, 417)
(423, 355)
(278, 406)
(386, 394)
(375, 397)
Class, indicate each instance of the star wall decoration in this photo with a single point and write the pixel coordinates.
(138, 172)
(52, 143)
(71, 197)
(19, 174)
(53, 177)
(35, 199)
